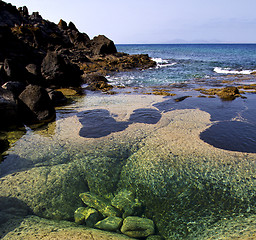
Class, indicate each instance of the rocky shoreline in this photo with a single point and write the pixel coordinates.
(38, 56)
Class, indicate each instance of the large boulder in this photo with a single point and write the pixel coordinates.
(102, 45)
(36, 104)
(138, 227)
(59, 72)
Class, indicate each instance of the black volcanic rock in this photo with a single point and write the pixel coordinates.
(57, 72)
(36, 105)
(103, 45)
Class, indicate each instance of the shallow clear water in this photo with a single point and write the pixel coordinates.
(187, 62)
(191, 163)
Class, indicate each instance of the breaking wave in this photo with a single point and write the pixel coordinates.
(230, 71)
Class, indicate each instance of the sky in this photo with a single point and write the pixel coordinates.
(155, 21)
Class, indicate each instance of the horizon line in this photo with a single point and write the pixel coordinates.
(185, 43)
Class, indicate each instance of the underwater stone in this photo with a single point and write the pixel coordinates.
(137, 227)
(79, 215)
(102, 205)
(110, 224)
(91, 217)
(125, 201)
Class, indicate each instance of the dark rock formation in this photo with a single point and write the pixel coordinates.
(97, 82)
(103, 45)
(57, 72)
(37, 105)
(34, 51)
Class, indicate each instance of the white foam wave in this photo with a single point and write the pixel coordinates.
(160, 63)
(229, 71)
(159, 60)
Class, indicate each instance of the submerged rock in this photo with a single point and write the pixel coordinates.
(89, 216)
(125, 201)
(33, 228)
(138, 227)
(102, 205)
(79, 215)
(110, 224)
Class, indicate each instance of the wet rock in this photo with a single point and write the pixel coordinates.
(180, 99)
(102, 205)
(36, 104)
(110, 224)
(97, 82)
(125, 201)
(228, 93)
(103, 45)
(138, 227)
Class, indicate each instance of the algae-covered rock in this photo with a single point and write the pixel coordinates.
(34, 228)
(102, 205)
(79, 215)
(91, 217)
(138, 227)
(125, 202)
(48, 192)
(110, 224)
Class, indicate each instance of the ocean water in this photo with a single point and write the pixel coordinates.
(186, 62)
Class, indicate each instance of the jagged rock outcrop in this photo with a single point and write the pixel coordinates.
(35, 51)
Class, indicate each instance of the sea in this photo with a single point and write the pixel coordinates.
(177, 63)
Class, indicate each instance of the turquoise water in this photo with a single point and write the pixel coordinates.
(187, 62)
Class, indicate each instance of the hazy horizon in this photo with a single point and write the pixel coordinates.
(151, 22)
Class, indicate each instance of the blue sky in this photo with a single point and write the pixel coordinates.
(155, 21)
